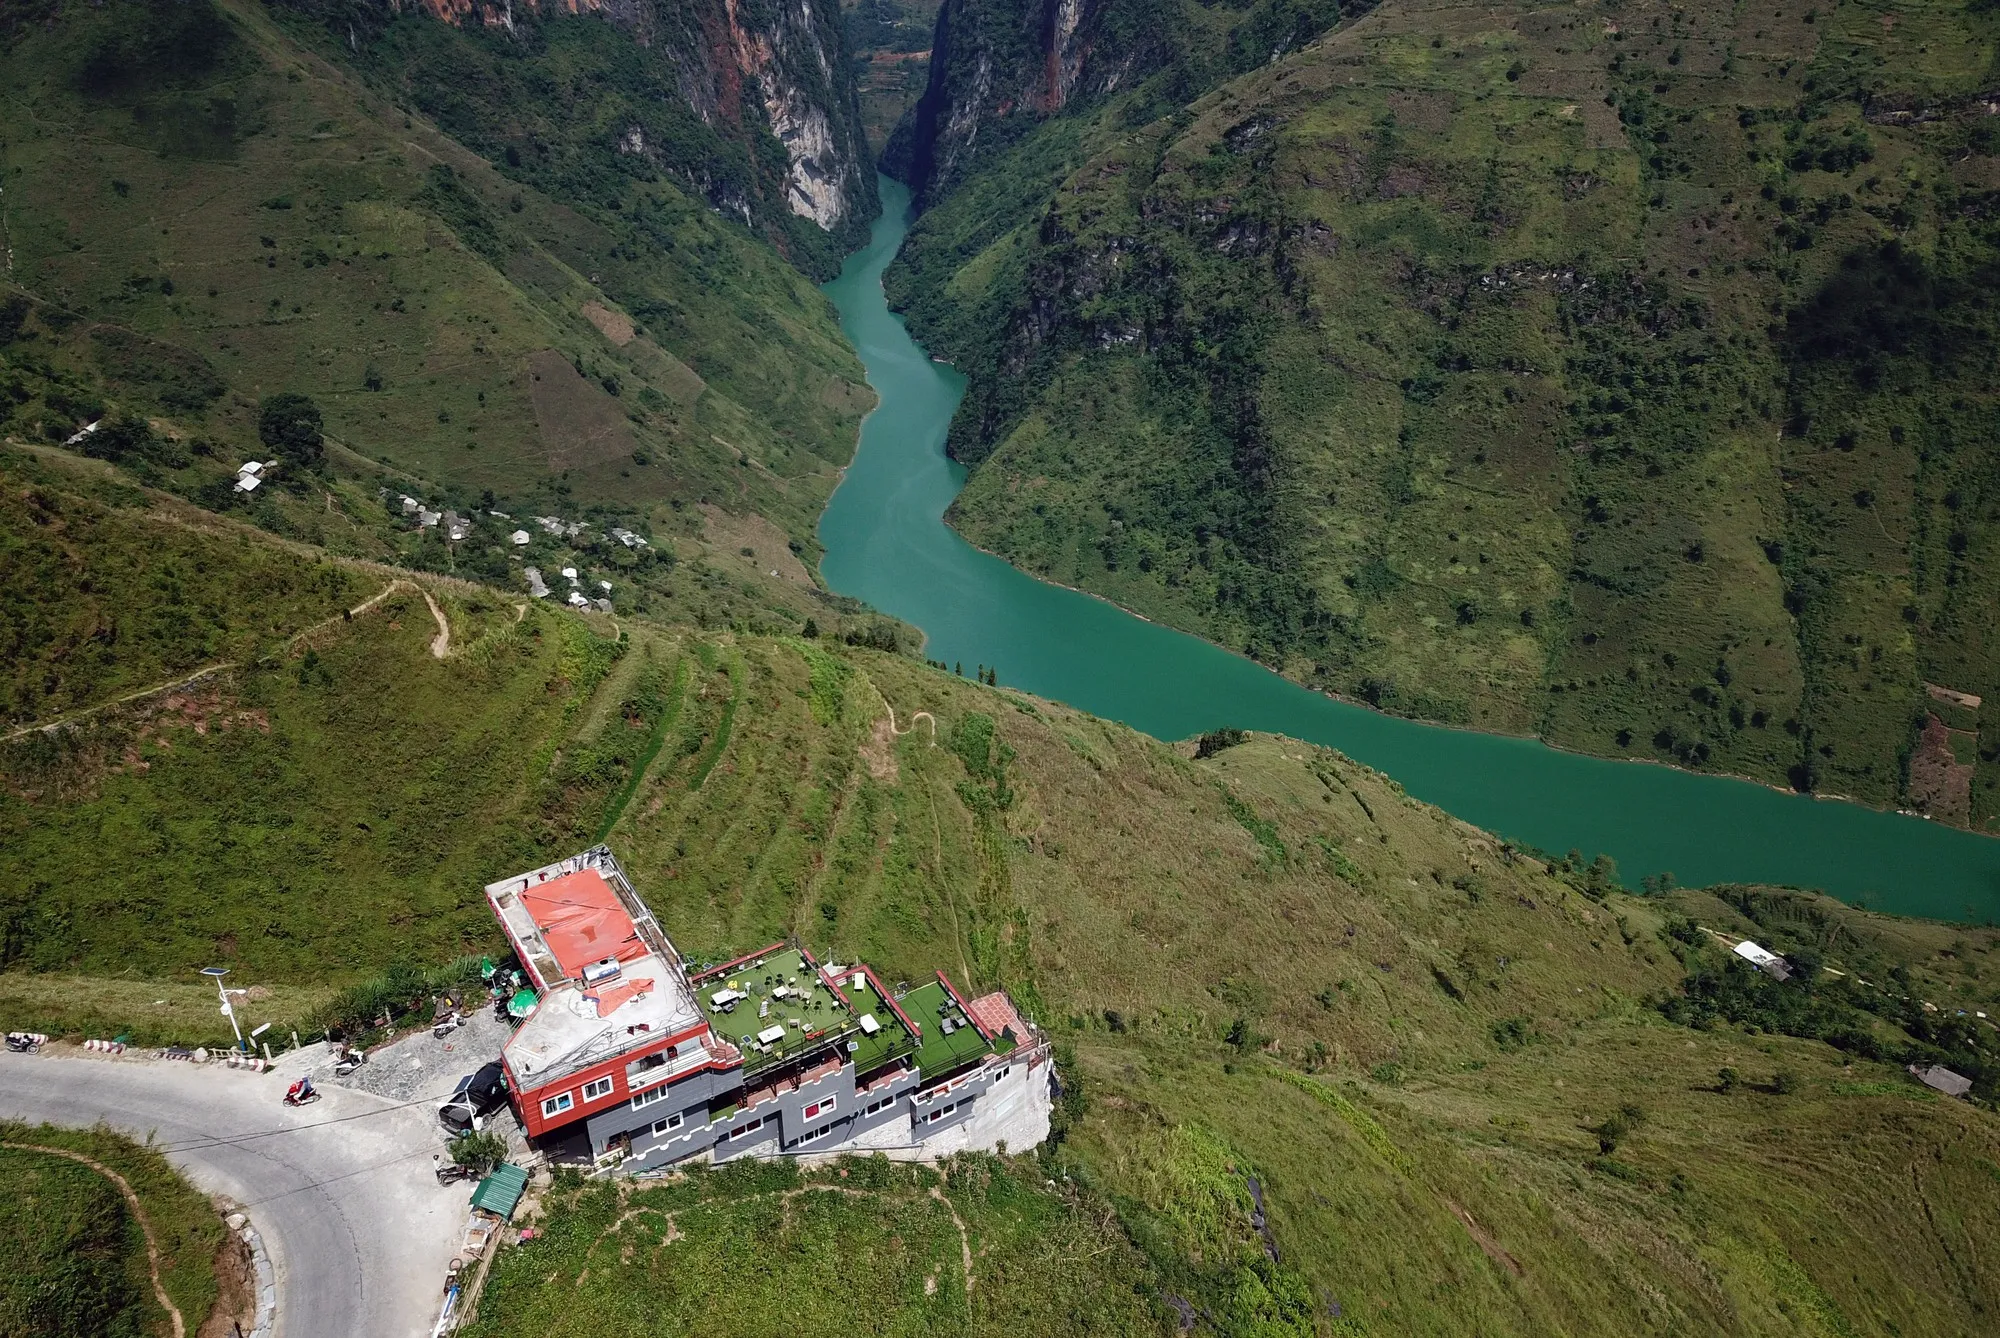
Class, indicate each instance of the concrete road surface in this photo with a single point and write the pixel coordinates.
(358, 1229)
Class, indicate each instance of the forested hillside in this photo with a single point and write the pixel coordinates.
(518, 267)
(1333, 1061)
(1620, 374)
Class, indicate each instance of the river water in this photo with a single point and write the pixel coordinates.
(887, 543)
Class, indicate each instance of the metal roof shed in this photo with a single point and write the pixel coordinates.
(500, 1193)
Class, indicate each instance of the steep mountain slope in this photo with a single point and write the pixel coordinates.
(752, 108)
(1619, 374)
(201, 213)
(890, 42)
(1440, 1061)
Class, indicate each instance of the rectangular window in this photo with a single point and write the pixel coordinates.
(597, 1087)
(649, 1096)
(940, 1113)
(819, 1107)
(874, 1106)
(668, 1125)
(751, 1127)
(556, 1105)
(817, 1134)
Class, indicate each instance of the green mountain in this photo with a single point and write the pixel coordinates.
(528, 267)
(1620, 375)
(1334, 1061)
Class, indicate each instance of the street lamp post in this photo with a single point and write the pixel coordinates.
(216, 973)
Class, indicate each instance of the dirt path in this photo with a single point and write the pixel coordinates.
(440, 649)
(138, 1214)
(914, 718)
(440, 644)
(786, 1196)
(152, 691)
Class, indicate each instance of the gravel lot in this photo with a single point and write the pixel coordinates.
(420, 1065)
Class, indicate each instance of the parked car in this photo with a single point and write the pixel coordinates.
(477, 1096)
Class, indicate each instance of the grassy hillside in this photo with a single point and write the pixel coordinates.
(77, 1254)
(1475, 1092)
(1622, 377)
(201, 212)
(878, 1248)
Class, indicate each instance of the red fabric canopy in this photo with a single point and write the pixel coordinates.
(611, 997)
(582, 921)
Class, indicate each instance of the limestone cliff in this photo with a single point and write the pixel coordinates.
(749, 103)
(1001, 67)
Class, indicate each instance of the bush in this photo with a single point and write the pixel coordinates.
(481, 1151)
(405, 990)
(290, 424)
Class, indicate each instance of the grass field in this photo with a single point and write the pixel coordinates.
(980, 1248)
(1616, 378)
(77, 1264)
(1475, 1091)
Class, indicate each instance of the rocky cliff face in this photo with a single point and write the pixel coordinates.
(742, 73)
(1001, 67)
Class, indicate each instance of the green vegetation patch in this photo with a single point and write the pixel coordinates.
(862, 1245)
(77, 1262)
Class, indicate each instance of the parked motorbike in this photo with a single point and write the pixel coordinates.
(448, 1024)
(25, 1042)
(301, 1093)
(348, 1060)
(451, 1172)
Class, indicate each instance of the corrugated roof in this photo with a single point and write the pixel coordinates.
(500, 1193)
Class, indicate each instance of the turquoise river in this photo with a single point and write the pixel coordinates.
(887, 543)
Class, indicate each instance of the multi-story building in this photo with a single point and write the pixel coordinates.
(628, 1058)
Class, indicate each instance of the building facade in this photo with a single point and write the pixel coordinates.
(630, 1059)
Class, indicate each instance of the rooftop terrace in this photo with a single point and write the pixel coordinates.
(950, 1041)
(777, 1005)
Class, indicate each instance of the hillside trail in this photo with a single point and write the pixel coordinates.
(138, 1215)
(440, 649)
(914, 718)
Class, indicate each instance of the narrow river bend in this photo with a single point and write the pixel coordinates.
(887, 543)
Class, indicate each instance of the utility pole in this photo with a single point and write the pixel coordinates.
(216, 973)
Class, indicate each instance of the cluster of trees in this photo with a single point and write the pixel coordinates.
(1816, 1006)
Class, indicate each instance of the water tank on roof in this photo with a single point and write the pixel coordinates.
(600, 971)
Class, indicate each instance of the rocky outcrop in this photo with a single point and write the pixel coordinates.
(745, 68)
(999, 67)
(1013, 63)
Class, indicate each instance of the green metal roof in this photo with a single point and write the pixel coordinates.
(500, 1193)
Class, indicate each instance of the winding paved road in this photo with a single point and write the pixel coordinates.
(358, 1231)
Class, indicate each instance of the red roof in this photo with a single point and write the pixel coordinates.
(995, 1014)
(582, 921)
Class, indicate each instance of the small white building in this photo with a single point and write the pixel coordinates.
(537, 587)
(577, 601)
(570, 573)
(411, 505)
(605, 586)
(519, 538)
(1763, 959)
